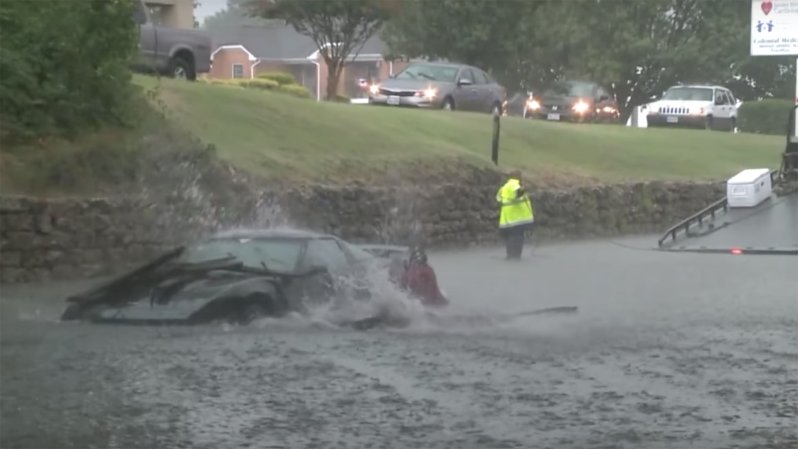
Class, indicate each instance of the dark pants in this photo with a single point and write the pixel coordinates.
(514, 240)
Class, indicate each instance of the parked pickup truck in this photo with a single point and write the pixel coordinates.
(175, 52)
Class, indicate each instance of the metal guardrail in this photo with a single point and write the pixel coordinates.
(703, 214)
(699, 217)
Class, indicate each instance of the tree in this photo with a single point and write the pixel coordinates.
(497, 36)
(339, 28)
(64, 66)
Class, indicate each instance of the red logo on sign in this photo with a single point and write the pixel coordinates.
(767, 6)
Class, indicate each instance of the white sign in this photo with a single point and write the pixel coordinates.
(774, 27)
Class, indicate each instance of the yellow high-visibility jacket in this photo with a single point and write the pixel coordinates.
(516, 210)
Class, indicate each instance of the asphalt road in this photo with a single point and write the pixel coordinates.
(667, 351)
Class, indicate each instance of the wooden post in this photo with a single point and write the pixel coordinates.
(494, 154)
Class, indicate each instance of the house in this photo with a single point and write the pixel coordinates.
(172, 13)
(244, 51)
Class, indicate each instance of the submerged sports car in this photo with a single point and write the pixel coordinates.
(234, 276)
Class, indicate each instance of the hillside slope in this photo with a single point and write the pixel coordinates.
(277, 135)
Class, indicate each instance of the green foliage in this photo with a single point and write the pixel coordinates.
(339, 28)
(295, 90)
(765, 116)
(266, 84)
(635, 48)
(281, 78)
(63, 66)
(479, 32)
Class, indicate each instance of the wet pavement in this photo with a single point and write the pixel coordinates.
(668, 350)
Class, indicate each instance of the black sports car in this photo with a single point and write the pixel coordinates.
(234, 276)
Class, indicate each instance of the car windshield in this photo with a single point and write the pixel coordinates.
(688, 94)
(571, 89)
(429, 72)
(276, 254)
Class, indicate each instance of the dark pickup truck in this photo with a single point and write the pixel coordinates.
(175, 52)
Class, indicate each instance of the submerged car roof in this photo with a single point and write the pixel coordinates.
(456, 65)
(699, 86)
(269, 234)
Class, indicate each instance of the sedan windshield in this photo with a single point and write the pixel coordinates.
(571, 89)
(429, 72)
(688, 94)
(275, 254)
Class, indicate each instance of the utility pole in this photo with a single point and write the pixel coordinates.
(494, 153)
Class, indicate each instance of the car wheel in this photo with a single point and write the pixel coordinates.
(733, 127)
(182, 69)
(709, 123)
(255, 307)
(448, 104)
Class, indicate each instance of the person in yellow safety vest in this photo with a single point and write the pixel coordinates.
(516, 215)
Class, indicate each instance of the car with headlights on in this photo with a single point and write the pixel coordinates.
(574, 101)
(440, 86)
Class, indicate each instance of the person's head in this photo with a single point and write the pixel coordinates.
(418, 255)
(514, 174)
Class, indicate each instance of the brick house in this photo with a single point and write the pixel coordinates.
(245, 51)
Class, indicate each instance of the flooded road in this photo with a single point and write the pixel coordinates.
(667, 351)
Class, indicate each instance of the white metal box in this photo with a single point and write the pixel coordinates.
(749, 188)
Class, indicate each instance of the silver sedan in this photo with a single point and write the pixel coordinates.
(442, 86)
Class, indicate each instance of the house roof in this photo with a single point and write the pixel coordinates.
(277, 41)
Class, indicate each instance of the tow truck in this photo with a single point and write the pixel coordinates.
(758, 215)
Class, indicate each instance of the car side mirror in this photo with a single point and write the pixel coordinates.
(464, 82)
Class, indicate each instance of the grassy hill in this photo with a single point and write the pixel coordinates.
(287, 138)
(277, 135)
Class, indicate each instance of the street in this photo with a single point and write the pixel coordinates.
(667, 351)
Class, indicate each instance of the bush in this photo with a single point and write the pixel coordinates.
(281, 78)
(295, 90)
(64, 66)
(764, 117)
(265, 84)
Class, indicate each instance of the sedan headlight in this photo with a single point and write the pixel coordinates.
(581, 107)
(533, 105)
(428, 93)
(374, 89)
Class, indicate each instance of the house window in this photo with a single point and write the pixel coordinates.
(238, 70)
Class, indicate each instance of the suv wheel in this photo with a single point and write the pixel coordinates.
(182, 69)
(709, 123)
(448, 104)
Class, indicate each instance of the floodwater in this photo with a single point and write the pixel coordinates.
(667, 351)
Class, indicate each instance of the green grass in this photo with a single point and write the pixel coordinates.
(278, 136)
(284, 138)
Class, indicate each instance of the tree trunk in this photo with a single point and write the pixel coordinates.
(333, 76)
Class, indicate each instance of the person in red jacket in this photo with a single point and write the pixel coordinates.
(419, 278)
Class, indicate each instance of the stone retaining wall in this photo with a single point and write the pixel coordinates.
(43, 239)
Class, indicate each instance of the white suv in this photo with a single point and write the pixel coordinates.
(710, 107)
